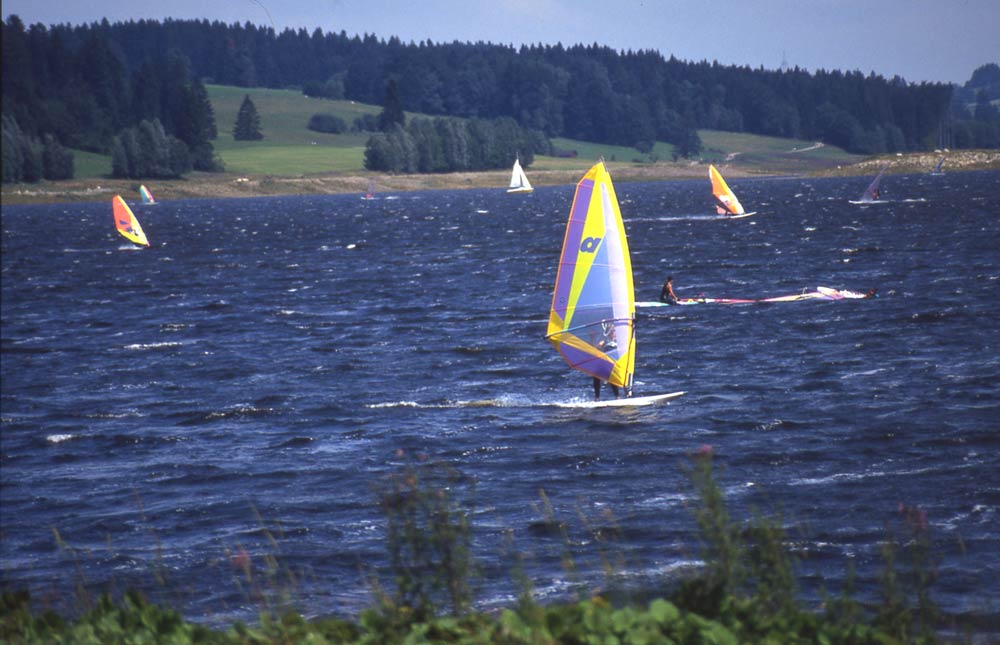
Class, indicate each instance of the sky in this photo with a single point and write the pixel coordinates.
(920, 40)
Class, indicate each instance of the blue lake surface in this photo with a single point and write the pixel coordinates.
(258, 373)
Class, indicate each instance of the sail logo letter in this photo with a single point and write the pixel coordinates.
(590, 244)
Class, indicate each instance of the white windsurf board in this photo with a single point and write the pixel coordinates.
(636, 401)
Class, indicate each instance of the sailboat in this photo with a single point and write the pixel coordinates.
(518, 180)
(147, 197)
(937, 169)
(725, 201)
(871, 194)
(592, 318)
(126, 223)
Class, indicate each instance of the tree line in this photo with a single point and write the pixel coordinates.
(85, 84)
(78, 88)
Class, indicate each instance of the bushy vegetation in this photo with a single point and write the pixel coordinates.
(450, 145)
(744, 593)
(148, 151)
(328, 123)
(25, 158)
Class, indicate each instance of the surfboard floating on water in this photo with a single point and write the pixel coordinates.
(592, 318)
(821, 293)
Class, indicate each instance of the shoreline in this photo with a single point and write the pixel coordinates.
(200, 185)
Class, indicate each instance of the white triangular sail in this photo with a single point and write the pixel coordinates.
(518, 180)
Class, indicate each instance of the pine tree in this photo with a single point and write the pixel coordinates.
(247, 126)
(392, 109)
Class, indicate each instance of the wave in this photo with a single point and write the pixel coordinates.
(238, 412)
(148, 346)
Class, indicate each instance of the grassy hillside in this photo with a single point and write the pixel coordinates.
(290, 149)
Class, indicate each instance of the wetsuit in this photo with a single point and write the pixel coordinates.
(667, 295)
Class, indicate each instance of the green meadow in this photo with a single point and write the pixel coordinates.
(290, 149)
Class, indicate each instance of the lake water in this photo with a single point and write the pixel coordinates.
(258, 373)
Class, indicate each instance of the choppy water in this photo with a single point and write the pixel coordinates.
(272, 356)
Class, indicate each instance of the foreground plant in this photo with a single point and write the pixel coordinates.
(428, 538)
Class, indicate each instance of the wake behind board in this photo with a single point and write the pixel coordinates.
(636, 401)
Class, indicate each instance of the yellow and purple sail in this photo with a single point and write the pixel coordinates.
(126, 223)
(592, 320)
(147, 197)
(725, 201)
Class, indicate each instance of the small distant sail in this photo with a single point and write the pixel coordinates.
(371, 191)
(592, 319)
(126, 223)
(147, 197)
(725, 201)
(518, 180)
(872, 192)
(937, 169)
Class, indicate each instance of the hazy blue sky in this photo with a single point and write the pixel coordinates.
(920, 40)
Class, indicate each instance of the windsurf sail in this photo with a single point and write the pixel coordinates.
(371, 191)
(518, 180)
(937, 169)
(872, 192)
(126, 223)
(725, 201)
(592, 319)
(147, 197)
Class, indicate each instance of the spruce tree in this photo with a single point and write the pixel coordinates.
(392, 109)
(247, 126)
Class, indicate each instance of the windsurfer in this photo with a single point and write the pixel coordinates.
(667, 294)
(597, 389)
(607, 343)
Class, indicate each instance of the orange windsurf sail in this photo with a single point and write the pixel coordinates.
(725, 201)
(126, 223)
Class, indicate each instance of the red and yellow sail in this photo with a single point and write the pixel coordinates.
(126, 223)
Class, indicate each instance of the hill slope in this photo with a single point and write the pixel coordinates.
(293, 159)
